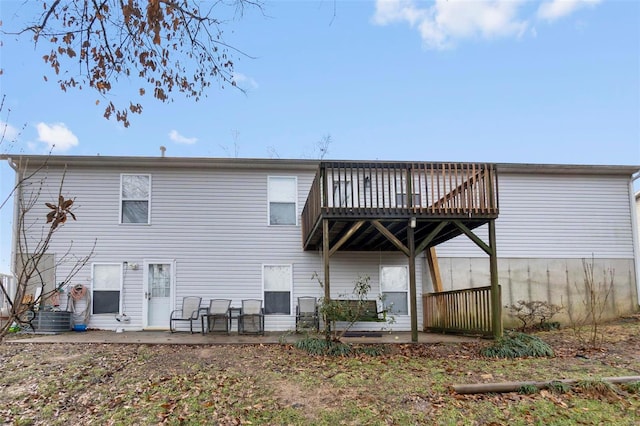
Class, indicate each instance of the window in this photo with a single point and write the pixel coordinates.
(342, 193)
(401, 200)
(135, 190)
(159, 280)
(277, 280)
(107, 284)
(282, 201)
(393, 285)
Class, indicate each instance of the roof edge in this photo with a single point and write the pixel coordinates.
(277, 163)
(163, 162)
(567, 169)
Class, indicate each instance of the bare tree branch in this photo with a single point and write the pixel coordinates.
(168, 45)
(30, 258)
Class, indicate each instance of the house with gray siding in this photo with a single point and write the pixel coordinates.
(160, 229)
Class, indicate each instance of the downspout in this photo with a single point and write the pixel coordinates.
(635, 232)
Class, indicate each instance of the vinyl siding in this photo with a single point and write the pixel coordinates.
(557, 216)
(214, 224)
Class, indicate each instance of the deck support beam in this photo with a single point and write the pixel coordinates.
(496, 302)
(412, 284)
(486, 248)
(346, 237)
(425, 243)
(434, 269)
(389, 236)
(325, 258)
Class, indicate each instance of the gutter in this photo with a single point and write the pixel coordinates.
(123, 163)
(635, 231)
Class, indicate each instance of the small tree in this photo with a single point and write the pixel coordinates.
(30, 253)
(596, 292)
(333, 310)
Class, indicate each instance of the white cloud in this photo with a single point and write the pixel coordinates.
(448, 21)
(555, 9)
(178, 138)
(56, 136)
(444, 23)
(242, 81)
(8, 133)
(392, 11)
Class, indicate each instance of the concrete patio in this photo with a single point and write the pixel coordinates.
(185, 338)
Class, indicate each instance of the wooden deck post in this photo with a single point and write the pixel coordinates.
(412, 282)
(496, 302)
(325, 261)
(325, 258)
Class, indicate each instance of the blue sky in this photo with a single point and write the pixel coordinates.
(496, 81)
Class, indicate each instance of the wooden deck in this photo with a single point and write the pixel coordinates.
(363, 199)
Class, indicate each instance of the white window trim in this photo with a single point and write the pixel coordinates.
(290, 265)
(406, 291)
(121, 283)
(148, 199)
(295, 179)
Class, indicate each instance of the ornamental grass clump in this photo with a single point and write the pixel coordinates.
(528, 389)
(559, 387)
(632, 387)
(318, 346)
(518, 345)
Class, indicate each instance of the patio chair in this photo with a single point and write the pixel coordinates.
(190, 312)
(218, 318)
(251, 319)
(307, 314)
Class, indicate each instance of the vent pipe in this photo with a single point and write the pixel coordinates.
(162, 150)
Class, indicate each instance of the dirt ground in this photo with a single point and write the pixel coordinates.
(279, 384)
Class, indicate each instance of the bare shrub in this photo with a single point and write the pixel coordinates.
(595, 296)
(534, 314)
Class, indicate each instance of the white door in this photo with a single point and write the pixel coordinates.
(158, 293)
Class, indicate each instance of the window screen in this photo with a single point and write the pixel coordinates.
(277, 289)
(282, 200)
(106, 288)
(135, 198)
(393, 285)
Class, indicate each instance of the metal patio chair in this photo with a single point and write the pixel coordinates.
(251, 319)
(217, 317)
(190, 312)
(307, 314)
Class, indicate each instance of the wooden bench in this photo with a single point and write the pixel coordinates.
(356, 310)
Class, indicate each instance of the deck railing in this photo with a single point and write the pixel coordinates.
(465, 311)
(387, 189)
